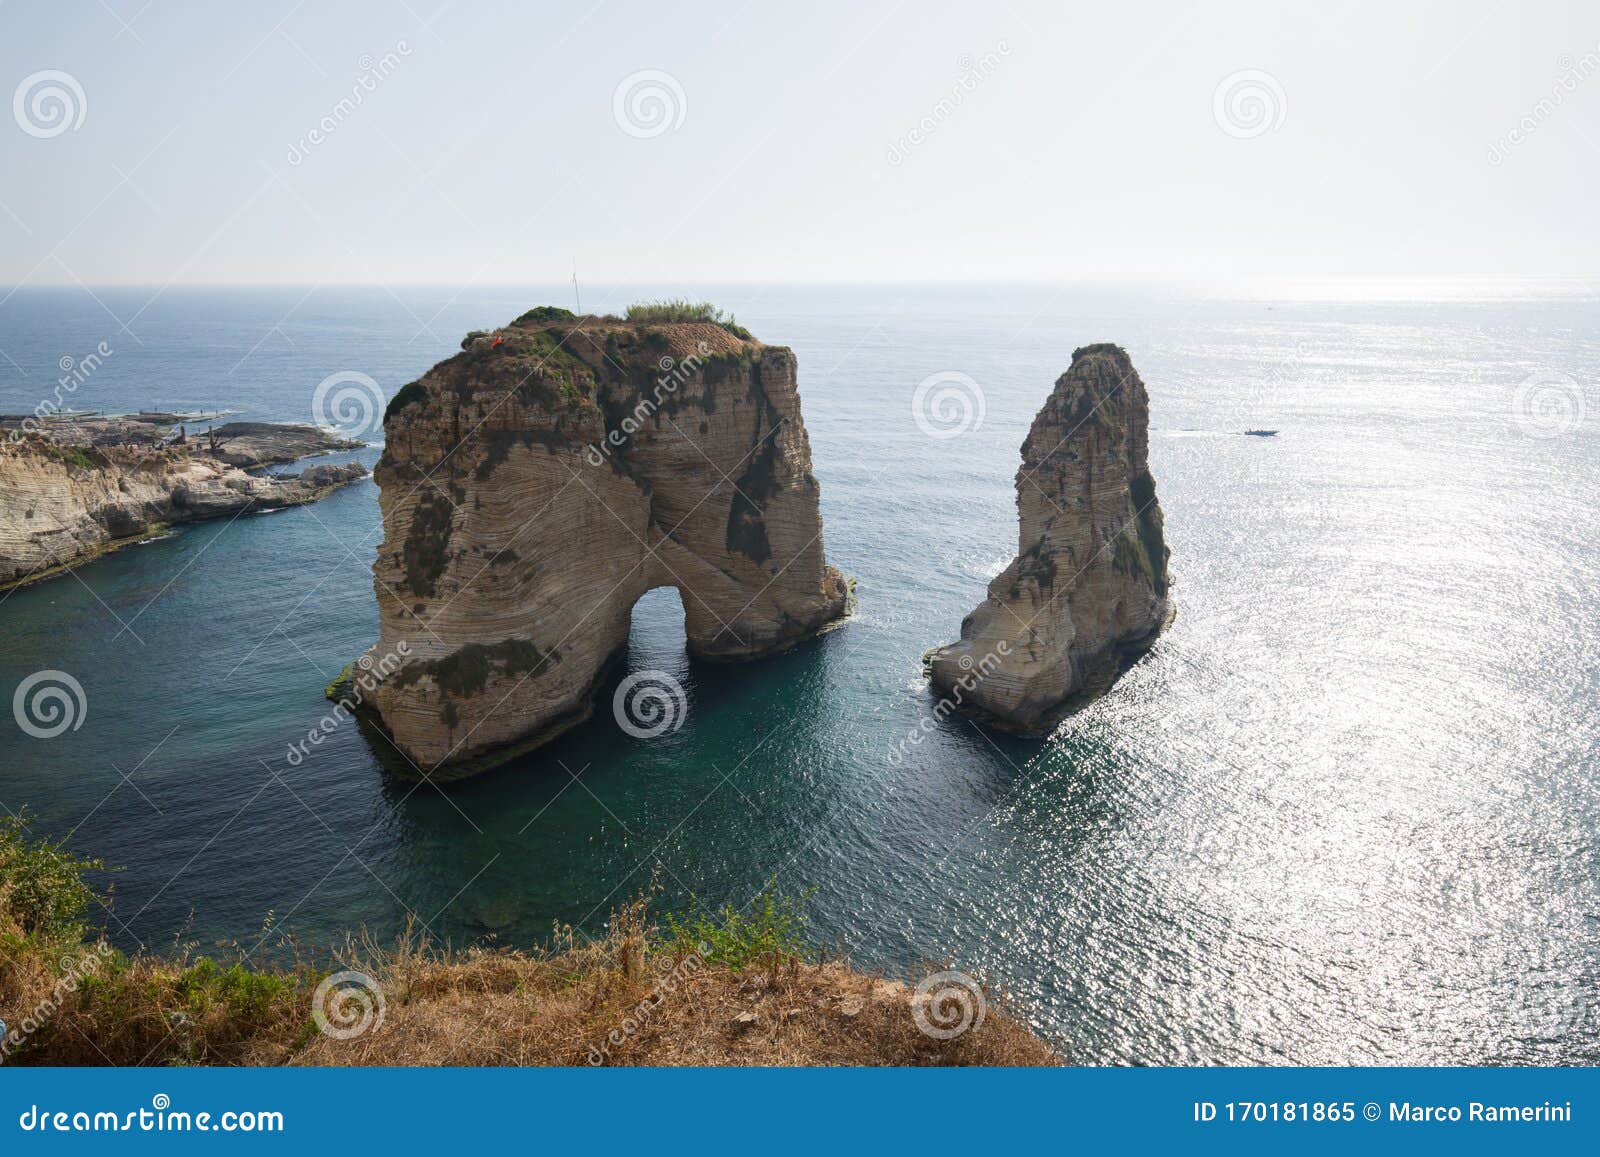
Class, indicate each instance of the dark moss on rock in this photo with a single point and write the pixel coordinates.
(464, 672)
(1151, 529)
(407, 395)
(427, 544)
(747, 516)
(544, 315)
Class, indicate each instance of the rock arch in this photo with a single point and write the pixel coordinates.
(536, 485)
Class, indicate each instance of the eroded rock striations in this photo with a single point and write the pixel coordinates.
(537, 484)
(1088, 588)
(62, 503)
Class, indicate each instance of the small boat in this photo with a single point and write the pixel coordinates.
(1260, 433)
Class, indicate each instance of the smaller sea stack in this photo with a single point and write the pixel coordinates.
(1087, 591)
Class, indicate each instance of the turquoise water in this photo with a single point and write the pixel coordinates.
(1345, 812)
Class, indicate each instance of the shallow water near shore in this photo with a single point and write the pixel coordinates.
(1346, 810)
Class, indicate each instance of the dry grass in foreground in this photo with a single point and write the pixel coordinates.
(728, 990)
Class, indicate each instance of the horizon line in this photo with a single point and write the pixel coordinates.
(1086, 279)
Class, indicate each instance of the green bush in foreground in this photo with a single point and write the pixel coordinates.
(41, 885)
(772, 934)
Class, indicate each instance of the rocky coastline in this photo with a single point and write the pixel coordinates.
(74, 489)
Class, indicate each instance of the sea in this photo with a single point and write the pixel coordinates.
(1347, 810)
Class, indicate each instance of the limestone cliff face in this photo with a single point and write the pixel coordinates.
(1089, 583)
(60, 505)
(537, 484)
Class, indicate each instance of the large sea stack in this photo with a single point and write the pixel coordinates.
(1088, 588)
(537, 484)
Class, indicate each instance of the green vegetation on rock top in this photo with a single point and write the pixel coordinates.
(681, 310)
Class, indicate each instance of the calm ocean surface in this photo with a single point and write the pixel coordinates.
(1346, 811)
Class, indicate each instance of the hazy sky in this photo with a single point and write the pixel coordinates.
(1087, 140)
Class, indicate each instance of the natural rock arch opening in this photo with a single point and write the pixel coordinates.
(537, 485)
(658, 633)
